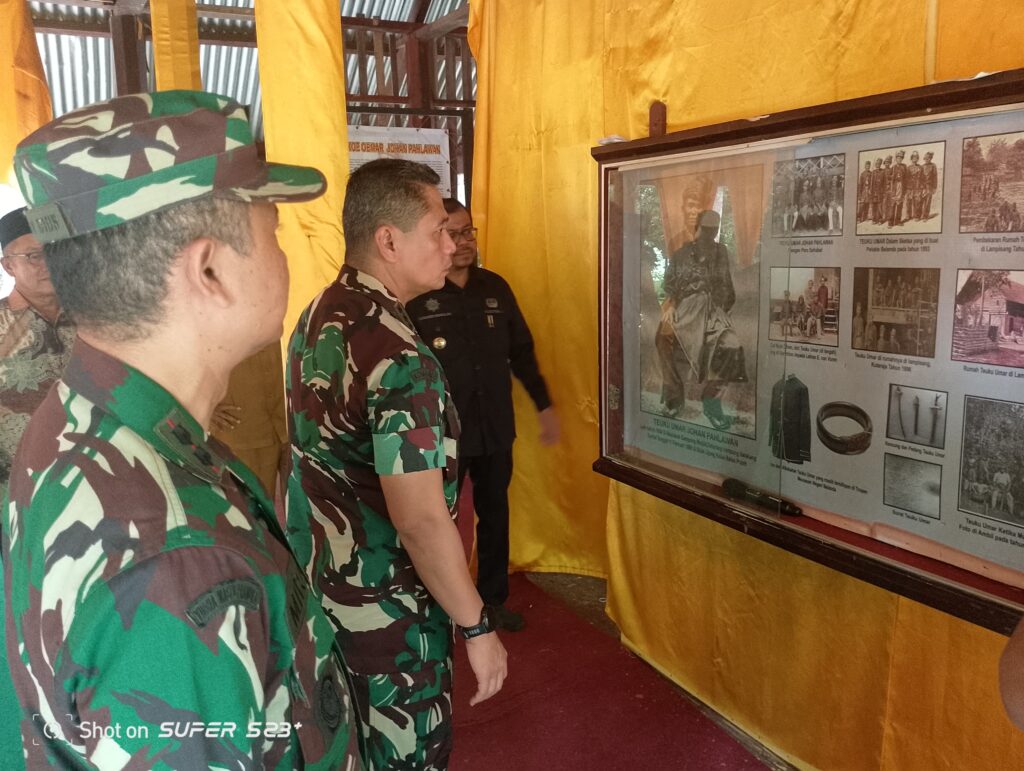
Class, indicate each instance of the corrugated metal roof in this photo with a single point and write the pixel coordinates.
(392, 10)
(79, 68)
(439, 8)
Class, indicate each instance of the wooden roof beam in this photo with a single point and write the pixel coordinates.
(457, 19)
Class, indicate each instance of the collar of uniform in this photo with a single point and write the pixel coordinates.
(363, 282)
(146, 407)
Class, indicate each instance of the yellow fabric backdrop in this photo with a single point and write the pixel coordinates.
(304, 118)
(175, 44)
(535, 204)
(831, 672)
(24, 97)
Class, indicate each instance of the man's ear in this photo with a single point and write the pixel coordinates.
(5, 263)
(384, 238)
(204, 267)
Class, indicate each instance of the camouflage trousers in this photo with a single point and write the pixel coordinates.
(405, 718)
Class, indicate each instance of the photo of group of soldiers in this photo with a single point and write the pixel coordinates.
(992, 184)
(807, 196)
(991, 483)
(896, 187)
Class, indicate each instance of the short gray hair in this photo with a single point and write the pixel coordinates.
(114, 281)
(387, 191)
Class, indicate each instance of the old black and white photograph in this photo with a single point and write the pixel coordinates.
(899, 189)
(992, 459)
(917, 415)
(807, 196)
(992, 184)
(912, 485)
(804, 305)
(700, 356)
(895, 310)
(988, 322)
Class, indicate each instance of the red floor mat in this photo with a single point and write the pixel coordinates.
(575, 699)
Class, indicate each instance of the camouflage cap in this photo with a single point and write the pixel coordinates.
(118, 160)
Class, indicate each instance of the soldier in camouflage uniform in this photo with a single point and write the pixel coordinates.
(35, 336)
(371, 498)
(156, 616)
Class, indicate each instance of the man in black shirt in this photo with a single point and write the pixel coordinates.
(474, 327)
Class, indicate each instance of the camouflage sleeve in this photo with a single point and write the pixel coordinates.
(179, 640)
(405, 400)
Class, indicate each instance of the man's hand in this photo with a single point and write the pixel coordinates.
(225, 417)
(550, 431)
(489, 661)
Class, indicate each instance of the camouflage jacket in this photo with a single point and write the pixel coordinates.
(366, 397)
(33, 354)
(156, 618)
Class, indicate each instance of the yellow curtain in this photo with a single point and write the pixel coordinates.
(831, 672)
(534, 195)
(303, 79)
(24, 97)
(175, 44)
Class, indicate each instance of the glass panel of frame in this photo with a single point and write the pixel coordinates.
(817, 335)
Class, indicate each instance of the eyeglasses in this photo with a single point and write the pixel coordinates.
(466, 234)
(35, 257)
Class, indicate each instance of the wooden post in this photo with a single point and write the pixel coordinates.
(658, 119)
(419, 63)
(128, 41)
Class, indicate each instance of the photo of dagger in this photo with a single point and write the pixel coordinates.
(935, 408)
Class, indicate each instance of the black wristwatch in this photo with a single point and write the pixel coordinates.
(485, 625)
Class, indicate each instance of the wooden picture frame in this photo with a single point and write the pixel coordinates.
(864, 282)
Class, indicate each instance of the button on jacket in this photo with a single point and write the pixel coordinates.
(481, 339)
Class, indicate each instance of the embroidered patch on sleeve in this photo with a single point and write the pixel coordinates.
(211, 603)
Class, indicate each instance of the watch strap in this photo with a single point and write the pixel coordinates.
(483, 627)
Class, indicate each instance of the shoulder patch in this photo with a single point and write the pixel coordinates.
(213, 602)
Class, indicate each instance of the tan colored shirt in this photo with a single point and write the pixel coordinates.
(257, 386)
(33, 354)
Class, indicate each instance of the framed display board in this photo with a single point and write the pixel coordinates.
(812, 330)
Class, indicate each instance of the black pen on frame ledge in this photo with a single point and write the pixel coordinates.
(741, 491)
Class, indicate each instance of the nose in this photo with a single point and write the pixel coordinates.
(448, 243)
